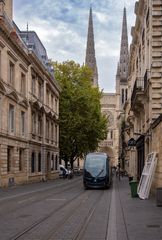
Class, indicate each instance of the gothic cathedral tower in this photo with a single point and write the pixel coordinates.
(90, 60)
(122, 69)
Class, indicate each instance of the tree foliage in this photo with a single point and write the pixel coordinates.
(82, 125)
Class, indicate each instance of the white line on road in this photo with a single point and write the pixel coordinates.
(25, 193)
(56, 199)
(26, 200)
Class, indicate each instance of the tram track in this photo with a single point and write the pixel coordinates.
(80, 234)
(76, 234)
(80, 202)
(72, 216)
(55, 190)
(43, 219)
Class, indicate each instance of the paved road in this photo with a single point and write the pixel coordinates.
(57, 210)
(63, 210)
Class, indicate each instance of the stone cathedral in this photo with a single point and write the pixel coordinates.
(111, 103)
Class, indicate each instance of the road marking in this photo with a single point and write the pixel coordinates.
(25, 193)
(25, 200)
(56, 199)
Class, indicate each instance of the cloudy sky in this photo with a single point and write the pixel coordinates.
(62, 27)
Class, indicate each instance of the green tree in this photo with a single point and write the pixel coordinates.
(82, 126)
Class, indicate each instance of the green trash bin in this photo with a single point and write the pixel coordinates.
(134, 184)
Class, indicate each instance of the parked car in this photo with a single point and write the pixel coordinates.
(65, 173)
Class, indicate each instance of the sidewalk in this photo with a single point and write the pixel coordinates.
(136, 219)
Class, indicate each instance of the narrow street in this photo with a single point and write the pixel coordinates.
(62, 209)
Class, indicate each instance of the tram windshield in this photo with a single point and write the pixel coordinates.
(95, 165)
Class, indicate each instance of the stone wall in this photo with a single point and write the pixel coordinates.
(157, 147)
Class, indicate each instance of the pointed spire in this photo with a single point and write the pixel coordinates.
(27, 35)
(118, 70)
(90, 50)
(124, 55)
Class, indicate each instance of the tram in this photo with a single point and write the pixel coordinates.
(97, 171)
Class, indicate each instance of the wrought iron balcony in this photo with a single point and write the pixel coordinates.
(137, 93)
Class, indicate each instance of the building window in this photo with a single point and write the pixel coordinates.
(23, 83)
(47, 97)
(48, 162)
(122, 96)
(9, 158)
(11, 118)
(39, 126)
(21, 158)
(56, 162)
(40, 91)
(111, 134)
(126, 94)
(39, 162)
(33, 85)
(52, 101)
(33, 162)
(55, 105)
(47, 128)
(11, 73)
(52, 163)
(147, 18)
(33, 122)
(55, 134)
(22, 122)
(52, 131)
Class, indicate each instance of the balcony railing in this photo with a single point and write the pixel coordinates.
(138, 89)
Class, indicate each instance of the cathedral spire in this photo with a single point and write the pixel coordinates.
(124, 55)
(90, 60)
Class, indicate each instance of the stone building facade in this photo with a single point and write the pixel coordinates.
(143, 110)
(111, 103)
(111, 143)
(122, 88)
(29, 106)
